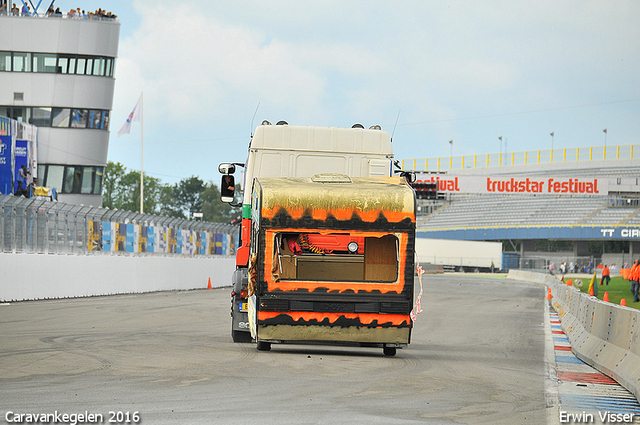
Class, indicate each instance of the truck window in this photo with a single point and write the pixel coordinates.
(335, 257)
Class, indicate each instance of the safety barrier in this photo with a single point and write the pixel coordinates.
(603, 335)
(40, 226)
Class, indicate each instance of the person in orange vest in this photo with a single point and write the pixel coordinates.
(606, 275)
(635, 281)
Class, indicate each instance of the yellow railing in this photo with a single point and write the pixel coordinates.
(544, 156)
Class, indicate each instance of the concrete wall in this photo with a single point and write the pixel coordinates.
(603, 335)
(41, 276)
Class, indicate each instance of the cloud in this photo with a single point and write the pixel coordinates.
(196, 66)
(205, 66)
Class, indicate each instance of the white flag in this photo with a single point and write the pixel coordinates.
(135, 115)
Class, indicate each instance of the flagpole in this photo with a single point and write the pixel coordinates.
(141, 153)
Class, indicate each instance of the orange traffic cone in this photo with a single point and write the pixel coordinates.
(569, 282)
(209, 285)
(549, 294)
(606, 297)
(623, 302)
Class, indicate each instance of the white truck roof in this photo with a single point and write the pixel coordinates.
(322, 139)
(302, 151)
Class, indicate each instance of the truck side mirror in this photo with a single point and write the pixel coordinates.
(227, 188)
(227, 168)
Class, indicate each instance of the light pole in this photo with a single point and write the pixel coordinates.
(605, 137)
(451, 143)
(500, 138)
(552, 135)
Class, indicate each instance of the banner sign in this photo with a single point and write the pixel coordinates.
(5, 165)
(108, 236)
(621, 232)
(151, 239)
(520, 184)
(94, 238)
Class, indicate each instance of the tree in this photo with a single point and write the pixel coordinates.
(169, 203)
(130, 200)
(121, 189)
(190, 195)
(213, 209)
(111, 183)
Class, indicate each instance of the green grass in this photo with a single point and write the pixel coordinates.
(618, 288)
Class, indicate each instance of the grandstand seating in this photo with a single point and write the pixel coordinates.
(499, 210)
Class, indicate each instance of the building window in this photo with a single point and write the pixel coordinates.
(5, 61)
(56, 63)
(95, 119)
(16, 113)
(63, 65)
(97, 181)
(98, 67)
(79, 118)
(72, 178)
(88, 174)
(82, 63)
(104, 125)
(21, 62)
(60, 117)
(53, 176)
(41, 117)
(44, 62)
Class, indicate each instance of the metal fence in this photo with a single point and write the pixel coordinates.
(33, 225)
(543, 156)
(573, 264)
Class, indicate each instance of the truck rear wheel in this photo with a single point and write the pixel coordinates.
(264, 346)
(389, 351)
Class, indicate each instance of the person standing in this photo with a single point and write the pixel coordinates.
(21, 180)
(605, 275)
(635, 281)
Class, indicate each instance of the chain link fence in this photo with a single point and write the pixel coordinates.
(36, 225)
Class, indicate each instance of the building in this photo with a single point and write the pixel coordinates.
(57, 73)
(578, 205)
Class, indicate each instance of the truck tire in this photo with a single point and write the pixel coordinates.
(240, 336)
(389, 351)
(264, 346)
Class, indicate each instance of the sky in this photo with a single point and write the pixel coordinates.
(426, 71)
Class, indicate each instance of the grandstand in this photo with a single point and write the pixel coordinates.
(600, 224)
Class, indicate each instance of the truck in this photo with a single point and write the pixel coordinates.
(326, 251)
(460, 255)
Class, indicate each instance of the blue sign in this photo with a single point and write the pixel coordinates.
(21, 156)
(151, 239)
(5, 165)
(130, 238)
(108, 240)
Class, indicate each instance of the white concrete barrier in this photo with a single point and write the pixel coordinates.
(603, 335)
(42, 276)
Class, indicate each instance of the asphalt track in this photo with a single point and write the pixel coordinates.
(477, 357)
